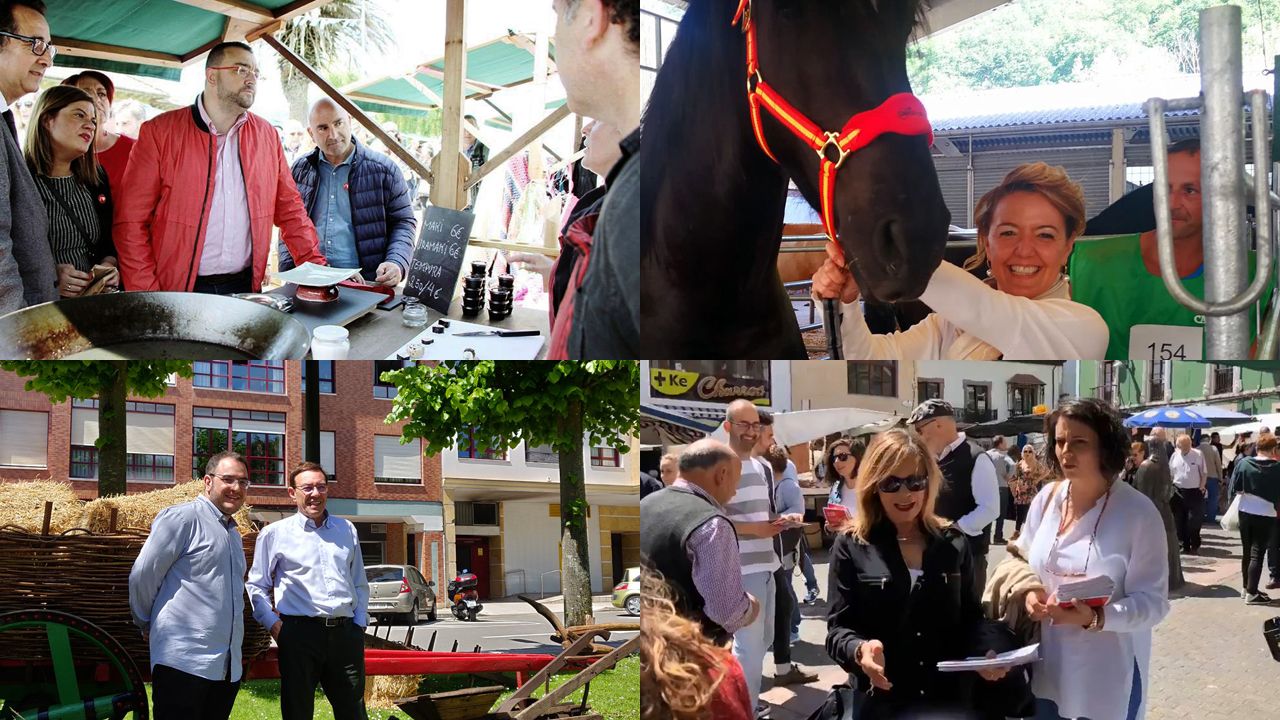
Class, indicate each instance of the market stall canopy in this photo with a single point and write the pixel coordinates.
(1219, 416)
(155, 38)
(492, 66)
(801, 426)
(1009, 427)
(1229, 433)
(1170, 417)
(662, 426)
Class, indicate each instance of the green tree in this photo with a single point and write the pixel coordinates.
(110, 381)
(539, 403)
(336, 35)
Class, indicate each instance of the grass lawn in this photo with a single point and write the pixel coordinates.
(614, 694)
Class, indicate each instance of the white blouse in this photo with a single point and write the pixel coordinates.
(1090, 674)
(973, 321)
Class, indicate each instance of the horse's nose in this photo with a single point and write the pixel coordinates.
(891, 245)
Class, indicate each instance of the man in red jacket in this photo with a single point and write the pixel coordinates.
(206, 183)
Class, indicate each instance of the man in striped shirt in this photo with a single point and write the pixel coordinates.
(752, 514)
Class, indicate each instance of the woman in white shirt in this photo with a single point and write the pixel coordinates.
(1257, 482)
(1027, 227)
(1094, 661)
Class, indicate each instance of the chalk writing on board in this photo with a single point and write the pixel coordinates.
(438, 255)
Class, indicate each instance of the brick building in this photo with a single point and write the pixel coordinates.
(392, 492)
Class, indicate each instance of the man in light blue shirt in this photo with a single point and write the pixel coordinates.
(186, 593)
(308, 588)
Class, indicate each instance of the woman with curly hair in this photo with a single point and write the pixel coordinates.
(683, 675)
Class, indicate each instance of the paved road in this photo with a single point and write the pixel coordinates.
(1209, 658)
(501, 626)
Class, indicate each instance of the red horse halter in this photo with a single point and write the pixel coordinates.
(902, 113)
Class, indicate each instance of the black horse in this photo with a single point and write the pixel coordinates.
(714, 200)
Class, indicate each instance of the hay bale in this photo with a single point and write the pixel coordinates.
(380, 691)
(22, 505)
(141, 509)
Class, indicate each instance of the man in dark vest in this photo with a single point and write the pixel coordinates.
(970, 495)
(685, 536)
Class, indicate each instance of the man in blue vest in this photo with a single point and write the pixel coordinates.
(357, 199)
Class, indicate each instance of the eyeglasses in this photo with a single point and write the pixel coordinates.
(39, 46)
(244, 71)
(1053, 562)
(843, 457)
(313, 489)
(232, 479)
(753, 427)
(891, 484)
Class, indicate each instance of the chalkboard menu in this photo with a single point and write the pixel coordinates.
(437, 258)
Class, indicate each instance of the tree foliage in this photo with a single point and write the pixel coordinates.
(1037, 42)
(334, 36)
(110, 381)
(500, 405)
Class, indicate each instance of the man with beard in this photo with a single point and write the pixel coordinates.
(309, 590)
(186, 584)
(357, 199)
(205, 185)
(1120, 276)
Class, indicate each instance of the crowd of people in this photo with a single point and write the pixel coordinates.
(194, 203)
(909, 583)
(1050, 293)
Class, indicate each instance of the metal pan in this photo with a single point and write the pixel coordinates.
(152, 325)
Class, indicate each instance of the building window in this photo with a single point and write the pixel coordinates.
(467, 448)
(1155, 392)
(1223, 379)
(1108, 390)
(396, 463)
(873, 377)
(326, 376)
(84, 462)
(476, 513)
(326, 452)
(149, 437)
(542, 454)
(143, 467)
(928, 390)
(977, 403)
(1023, 399)
(262, 450)
(605, 457)
(381, 388)
(265, 376)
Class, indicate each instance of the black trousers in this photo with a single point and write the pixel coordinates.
(1188, 516)
(1019, 516)
(1006, 501)
(1273, 551)
(331, 657)
(237, 282)
(177, 695)
(782, 600)
(1255, 535)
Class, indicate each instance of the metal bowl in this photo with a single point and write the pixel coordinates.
(152, 325)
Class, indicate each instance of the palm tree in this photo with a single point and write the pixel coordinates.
(337, 34)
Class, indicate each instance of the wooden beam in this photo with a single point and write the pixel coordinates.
(237, 29)
(102, 51)
(447, 189)
(347, 105)
(520, 143)
(481, 87)
(523, 42)
(237, 9)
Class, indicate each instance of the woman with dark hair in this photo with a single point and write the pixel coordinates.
(841, 462)
(74, 188)
(1257, 482)
(1094, 661)
(902, 592)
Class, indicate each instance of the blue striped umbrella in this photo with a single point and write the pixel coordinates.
(1170, 417)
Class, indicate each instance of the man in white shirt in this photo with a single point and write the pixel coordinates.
(970, 497)
(1189, 479)
(308, 588)
(999, 455)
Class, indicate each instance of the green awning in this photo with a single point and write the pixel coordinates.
(491, 66)
(152, 38)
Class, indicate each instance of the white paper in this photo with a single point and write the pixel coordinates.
(447, 346)
(1086, 589)
(1013, 658)
(309, 273)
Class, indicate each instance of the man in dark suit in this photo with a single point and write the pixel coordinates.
(27, 275)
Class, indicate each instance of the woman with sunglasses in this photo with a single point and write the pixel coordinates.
(902, 593)
(1028, 476)
(1094, 660)
(841, 464)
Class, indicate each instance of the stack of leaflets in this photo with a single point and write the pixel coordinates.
(1013, 658)
(1094, 591)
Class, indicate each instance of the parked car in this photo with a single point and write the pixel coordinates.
(626, 594)
(401, 592)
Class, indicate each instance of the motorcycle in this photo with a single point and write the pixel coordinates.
(464, 599)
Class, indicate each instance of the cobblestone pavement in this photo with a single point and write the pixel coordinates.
(1209, 659)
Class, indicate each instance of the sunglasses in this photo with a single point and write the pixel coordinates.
(843, 457)
(893, 483)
